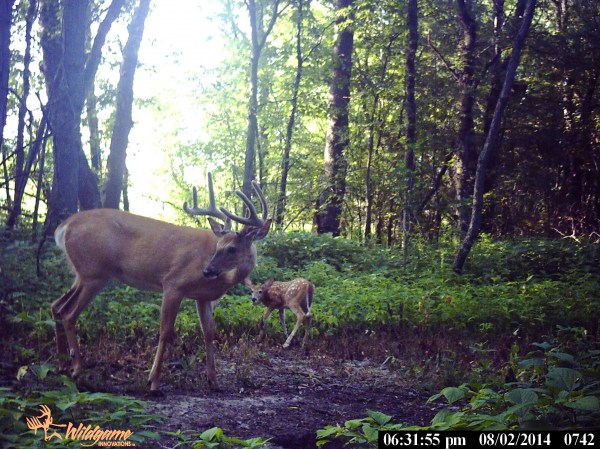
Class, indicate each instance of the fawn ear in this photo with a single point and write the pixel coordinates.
(267, 285)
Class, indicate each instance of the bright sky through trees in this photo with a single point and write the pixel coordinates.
(182, 40)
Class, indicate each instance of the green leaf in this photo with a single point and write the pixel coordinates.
(22, 372)
(327, 431)
(371, 433)
(531, 362)
(212, 434)
(41, 371)
(446, 419)
(380, 418)
(543, 345)
(523, 396)
(563, 379)
(453, 394)
(562, 356)
(354, 423)
(588, 403)
(149, 434)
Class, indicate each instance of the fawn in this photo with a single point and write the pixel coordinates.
(296, 295)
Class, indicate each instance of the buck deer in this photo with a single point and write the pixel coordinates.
(296, 295)
(106, 244)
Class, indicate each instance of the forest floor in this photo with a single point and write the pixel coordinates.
(286, 395)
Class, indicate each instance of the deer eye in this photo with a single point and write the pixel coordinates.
(231, 250)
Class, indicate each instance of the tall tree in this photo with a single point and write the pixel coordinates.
(123, 120)
(287, 147)
(492, 140)
(21, 172)
(69, 73)
(259, 34)
(467, 156)
(6, 11)
(411, 123)
(329, 203)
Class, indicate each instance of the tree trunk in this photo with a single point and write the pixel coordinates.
(329, 204)
(6, 10)
(41, 140)
(252, 132)
(258, 39)
(68, 79)
(123, 119)
(285, 161)
(411, 125)
(21, 173)
(63, 115)
(92, 122)
(492, 141)
(466, 163)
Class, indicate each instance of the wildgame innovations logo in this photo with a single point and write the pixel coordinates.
(89, 435)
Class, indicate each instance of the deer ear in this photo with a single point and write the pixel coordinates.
(259, 233)
(218, 229)
(267, 285)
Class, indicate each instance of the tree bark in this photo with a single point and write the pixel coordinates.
(61, 86)
(411, 125)
(329, 203)
(21, 172)
(6, 10)
(258, 40)
(285, 161)
(92, 122)
(68, 78)
(123, 120)
(466, 163)
(491, 141)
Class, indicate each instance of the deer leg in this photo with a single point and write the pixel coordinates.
(300, 318)
(263, 323)
(308, 318)
(306, 305)
(67, 309)
(62, 345)
(207, 322)
(168, 313)
(282, 319)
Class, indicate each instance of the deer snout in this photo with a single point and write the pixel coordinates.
(210, 273)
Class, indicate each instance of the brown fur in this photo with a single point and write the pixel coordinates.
(296, 295)
(181, 262)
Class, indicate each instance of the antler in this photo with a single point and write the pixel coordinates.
(252, 219)
(211, 210)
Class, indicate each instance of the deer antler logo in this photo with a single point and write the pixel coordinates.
(44, 422)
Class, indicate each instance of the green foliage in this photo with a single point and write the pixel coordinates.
(215, 438)
(67, 404)
(360, 291)
(360, 432)
(554, 389)
(358, 288)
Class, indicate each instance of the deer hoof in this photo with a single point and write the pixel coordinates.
(156, 393)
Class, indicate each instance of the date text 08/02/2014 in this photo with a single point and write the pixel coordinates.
(489, 439)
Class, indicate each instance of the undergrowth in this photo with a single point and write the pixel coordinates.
(555, 386)
(515, 293)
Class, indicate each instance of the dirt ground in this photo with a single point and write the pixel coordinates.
(286, 396)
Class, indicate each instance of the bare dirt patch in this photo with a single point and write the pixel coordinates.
(286, 396)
